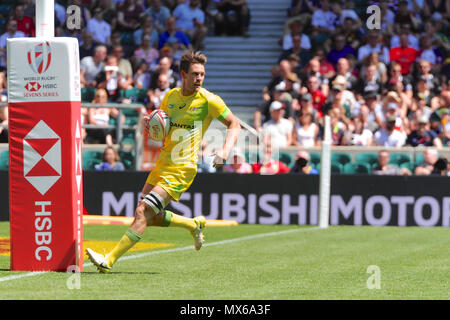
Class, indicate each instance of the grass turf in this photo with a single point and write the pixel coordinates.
(314, 264)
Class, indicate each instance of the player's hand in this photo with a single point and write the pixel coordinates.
(146, 121)
(219, 158)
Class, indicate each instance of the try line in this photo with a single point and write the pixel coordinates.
(146, 254)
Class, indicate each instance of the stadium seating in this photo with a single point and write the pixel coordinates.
(356, 168)
(341, 157)
(367, 157)
(336, 167)
(4, 160)
(128, 158)
(399, 158)
(88, 94)
(91, 158)
(314, 158)
(286, 158)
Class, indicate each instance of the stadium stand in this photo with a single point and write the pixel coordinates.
(376, 99)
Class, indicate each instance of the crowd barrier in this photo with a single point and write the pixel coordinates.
(278, 199)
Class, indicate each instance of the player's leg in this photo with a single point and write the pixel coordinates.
(167, 218)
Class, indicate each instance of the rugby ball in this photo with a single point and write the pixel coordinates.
(158, 125)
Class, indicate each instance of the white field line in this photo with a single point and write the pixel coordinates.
(146, 254)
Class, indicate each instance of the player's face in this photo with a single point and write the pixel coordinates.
(194, 78)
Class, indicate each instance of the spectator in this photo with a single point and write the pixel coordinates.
(263, 113)
(340, 49)
(155, 96)
(4, 124)
(270, 165)
(389, 136)
(343, 69)
(125, 67)
(11, 32)
(341, 98)
(110, 161)
(371, 82)
(146, 28)
(374, 45)
(165, 67)
(100, 117)
(111, 79)
(173, 36)
(413, 41)
(351, 34)
(297, 50)
(306, 105)
(375, 116)
(302, 165)
(384, 168)
(159, 15)
(233, 17)
(90, 67)
(87, 44)
(338, 127)
(422, 92)
(405, 16)
(205, 160)
(423, 136)
(374, 59)
(441, 167)
(326, 68)
(3, 88)
(360, 135)
(430, 156)
(24, 24)
(301, 12)
(296, 28)
(323, 22)
(397, 78)
(424, 72)
(404, 54)
(305, 131)
(129, 15)
(191, 20)
(278, 129)
(313, 69)
(108, 8)
(145, 53)
(238, 163)
(318, 97)
(100, 29)
(142, 76)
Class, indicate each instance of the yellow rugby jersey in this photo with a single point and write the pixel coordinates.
(190, 117)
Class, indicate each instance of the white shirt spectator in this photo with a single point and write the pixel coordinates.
(395, 139)
(413, 41)
(306, 137)
(305, 42)
(101, 30)
(278, 132)
(91, 70)
(6, 35)
(324, 19)
(362, 139)
(185, 16)
(365, 50)
(348, 13)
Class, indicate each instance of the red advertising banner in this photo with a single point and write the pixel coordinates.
(45, 148)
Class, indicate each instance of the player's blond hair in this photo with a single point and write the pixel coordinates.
(189, 58)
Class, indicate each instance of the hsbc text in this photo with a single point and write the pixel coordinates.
(43, 235)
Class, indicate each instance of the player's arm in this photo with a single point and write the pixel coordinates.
(233, 130)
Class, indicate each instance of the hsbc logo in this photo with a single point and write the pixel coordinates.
(42, 157)
(39, 57)
(32, 86)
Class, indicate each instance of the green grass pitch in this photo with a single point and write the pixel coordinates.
(414, 263)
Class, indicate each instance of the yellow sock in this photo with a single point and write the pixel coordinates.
(128, 240)
(174, 220)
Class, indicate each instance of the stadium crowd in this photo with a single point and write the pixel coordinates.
(388, 86)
